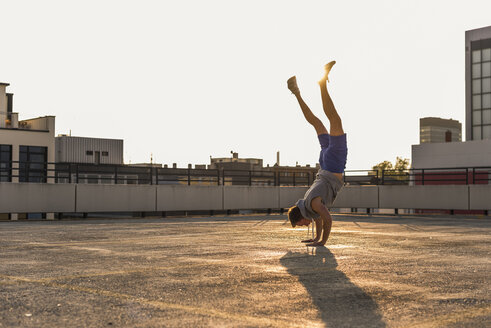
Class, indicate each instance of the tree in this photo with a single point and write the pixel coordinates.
(402, 164)
(398, 170)
(385, 165)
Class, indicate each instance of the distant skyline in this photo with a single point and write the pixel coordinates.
(192, 79)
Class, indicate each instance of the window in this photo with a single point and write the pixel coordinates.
(476, 56)
(486, 85)
(89, 153)
(486, 132)
(476, 118)
(476, 70)
(105, 153)
(476, 86)
(476, 102)
(6, 163)
(33, 164)
(476, 132)
(486, 69)
(486, 54)
(486, 100)
(486, 116)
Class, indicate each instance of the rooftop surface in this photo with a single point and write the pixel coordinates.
(246, 271)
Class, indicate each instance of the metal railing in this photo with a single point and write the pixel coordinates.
(125, 174)
(433, 176)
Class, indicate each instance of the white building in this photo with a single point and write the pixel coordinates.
(478, 83)
(26, 147)
(476, 153)
(476, 150)
(88, 150)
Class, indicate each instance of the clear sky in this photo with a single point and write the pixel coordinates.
(186, 80)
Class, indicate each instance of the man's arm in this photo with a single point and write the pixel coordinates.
(326, 219)
(318, 229)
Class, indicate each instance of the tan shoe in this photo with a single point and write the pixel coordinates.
(327, 68)
(292, 85)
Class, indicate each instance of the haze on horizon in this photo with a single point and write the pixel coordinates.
(192, 79)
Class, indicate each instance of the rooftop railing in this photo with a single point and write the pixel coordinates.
(42, 172)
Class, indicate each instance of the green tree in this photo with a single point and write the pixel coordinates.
(402, 164)
(398, 170)
(385, 165)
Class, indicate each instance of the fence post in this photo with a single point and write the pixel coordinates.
(466, 176)
(423, 177)
(189, 176)
(383, 176)
(473, 175)
(294, 182)
(250, 178)
(218, 176)
(115, 174)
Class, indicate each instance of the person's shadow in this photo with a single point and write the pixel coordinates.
(340, 302)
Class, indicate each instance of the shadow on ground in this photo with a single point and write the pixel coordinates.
(340, 302)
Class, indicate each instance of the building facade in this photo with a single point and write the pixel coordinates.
(434, 129)
(27, 147)
(235, 163)
(88, 150)
(478, 83)
(476, 153)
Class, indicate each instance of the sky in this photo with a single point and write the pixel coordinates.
(185, 80)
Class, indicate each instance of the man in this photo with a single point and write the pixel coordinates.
(332, 162)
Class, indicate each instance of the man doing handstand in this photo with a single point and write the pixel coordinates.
(332, 164)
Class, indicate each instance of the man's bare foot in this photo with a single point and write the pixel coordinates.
(327, 69)
(292, 85)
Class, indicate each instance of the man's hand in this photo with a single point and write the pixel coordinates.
(315, 244)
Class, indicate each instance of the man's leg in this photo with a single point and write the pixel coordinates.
(330, 110)
(307, 113)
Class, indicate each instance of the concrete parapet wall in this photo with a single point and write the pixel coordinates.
(189, 198)
(290, 195)
(248, 197)
(451, 197)
(83, 198)
(480, 197)
(36, 197)
(357, 196)
(115, 198)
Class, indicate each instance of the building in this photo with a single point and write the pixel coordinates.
(478, 83)
(476, 153)
(236, 163)
(88, 150)
(434, 129)
(437, 160)
(27, 147)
